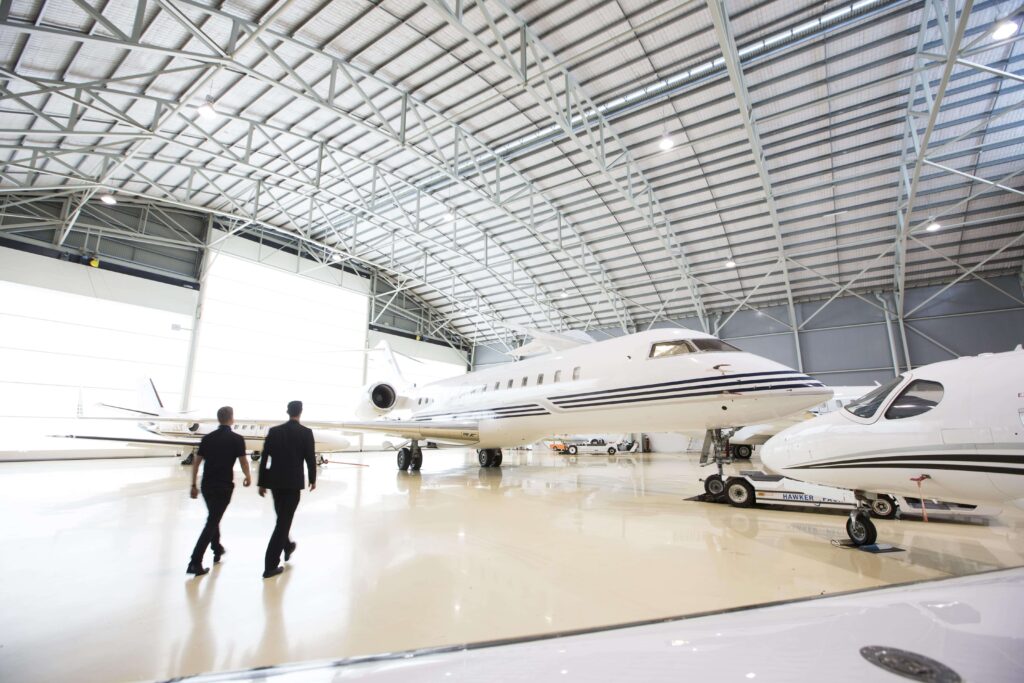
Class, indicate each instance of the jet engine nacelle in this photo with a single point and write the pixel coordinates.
(379, 399)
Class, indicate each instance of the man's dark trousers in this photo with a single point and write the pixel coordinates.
(285, 503)
(217, 500)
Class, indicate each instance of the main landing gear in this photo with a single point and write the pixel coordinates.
(410, 458)
(188, 459)
(489, 457)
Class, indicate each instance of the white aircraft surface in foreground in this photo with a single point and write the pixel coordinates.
(185, 431)
(653, 381)
(957, 427)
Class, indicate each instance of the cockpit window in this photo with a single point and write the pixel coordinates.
(867, 405)
(672, 348)
(677, 348)
(920, 397)
(712, 345)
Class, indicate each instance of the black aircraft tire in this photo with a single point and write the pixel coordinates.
(743, 451)
(740, 493)
(861, 529)
(417, 460)
(496, 462)
(404, 459)
(484, 457)
(714, 486)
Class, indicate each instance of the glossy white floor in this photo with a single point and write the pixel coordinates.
(94, 587)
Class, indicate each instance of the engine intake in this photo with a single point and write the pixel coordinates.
(383, 396)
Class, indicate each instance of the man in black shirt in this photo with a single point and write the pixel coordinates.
(287, 446)
(220, 449)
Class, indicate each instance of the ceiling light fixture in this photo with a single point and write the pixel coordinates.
(449, 216)
(206, 110)
(666, 142)
(1005, 29)
(934, 226)
(730, 264)
(565, 294)
(108, 199)
(335, 257)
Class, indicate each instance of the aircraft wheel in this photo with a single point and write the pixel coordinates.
(743, 451)
(714, 486)
(883, 507)
(496, 461)
(404, 458)
(860, 528)
(573, 450)
(740, 493)
(255, 457)
(611, 450)
(417, 460)
(484, 457)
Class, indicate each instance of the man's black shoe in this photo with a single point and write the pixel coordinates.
(218, 553)
(289, 549)
(272, 572)
(196, 568)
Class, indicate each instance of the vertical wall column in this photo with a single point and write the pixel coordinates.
(197, 319)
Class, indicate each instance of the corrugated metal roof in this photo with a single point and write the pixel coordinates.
(309, 139)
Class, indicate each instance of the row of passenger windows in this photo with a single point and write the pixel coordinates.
(577, 373)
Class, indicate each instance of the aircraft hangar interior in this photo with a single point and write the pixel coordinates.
(511, 340)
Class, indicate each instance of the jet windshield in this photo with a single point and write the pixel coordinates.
(712, 345)
(867, 405)
(676, 348)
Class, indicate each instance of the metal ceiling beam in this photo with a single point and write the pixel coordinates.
(557, 93)
(727, 43)
(915, 138)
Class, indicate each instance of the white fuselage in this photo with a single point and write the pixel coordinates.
(969, 445)
(327, 441)
(615, 386)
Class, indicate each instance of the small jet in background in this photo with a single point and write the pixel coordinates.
(185, 431)
(952, 430)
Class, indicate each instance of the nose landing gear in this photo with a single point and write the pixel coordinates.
(859, 526)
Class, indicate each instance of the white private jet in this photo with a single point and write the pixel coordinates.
(183, 430)
(653, 381)
(745, 439)
(955, 427)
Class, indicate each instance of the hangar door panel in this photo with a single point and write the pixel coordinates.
(268, 336)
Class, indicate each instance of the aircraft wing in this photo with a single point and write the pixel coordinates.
(131, 440)
(459, 433)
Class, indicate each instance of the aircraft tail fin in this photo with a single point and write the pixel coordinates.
(390, 356)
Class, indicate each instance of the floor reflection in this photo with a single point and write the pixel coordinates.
(392, 560)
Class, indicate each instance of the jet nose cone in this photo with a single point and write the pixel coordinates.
(772, 455)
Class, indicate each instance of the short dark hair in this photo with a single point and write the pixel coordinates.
(294, 408)
(225, 414)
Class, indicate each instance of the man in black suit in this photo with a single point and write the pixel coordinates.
(284, 451)
(220, 448)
